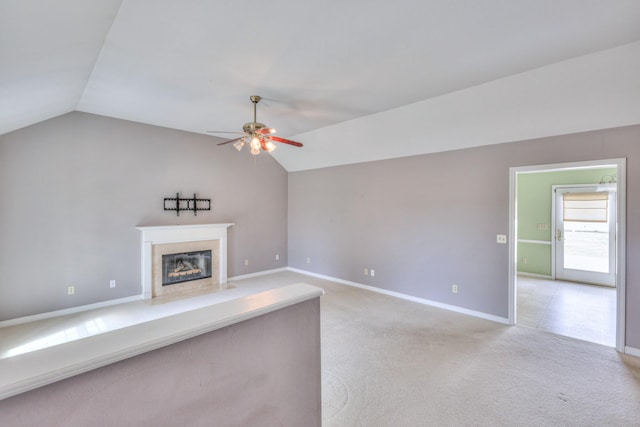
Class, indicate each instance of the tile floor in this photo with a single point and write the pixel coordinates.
(575, 310)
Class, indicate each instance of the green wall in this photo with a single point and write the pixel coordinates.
(534, 207)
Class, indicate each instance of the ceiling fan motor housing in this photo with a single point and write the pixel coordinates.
(252, 127)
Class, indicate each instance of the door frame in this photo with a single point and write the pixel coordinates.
(621, 165)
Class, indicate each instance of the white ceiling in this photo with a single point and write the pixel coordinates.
(192, 65)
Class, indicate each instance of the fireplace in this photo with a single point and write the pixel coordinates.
(183, 258)
(185, 267)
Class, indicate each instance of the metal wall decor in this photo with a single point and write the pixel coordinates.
(181, 204)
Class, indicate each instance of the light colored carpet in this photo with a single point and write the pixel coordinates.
(391, 362)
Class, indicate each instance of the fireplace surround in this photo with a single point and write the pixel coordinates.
(159, 241)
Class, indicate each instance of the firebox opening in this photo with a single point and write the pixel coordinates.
(186, 266)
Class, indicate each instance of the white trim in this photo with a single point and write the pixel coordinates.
(621, 256)
(513, 248)
(424, 301)
(72, 310)
(534, 275)
(535, 242)
(621, 165)
(257, 274)
(556, 167)
(171, 233)
(632, 351)
(554, 228)
(595, 186)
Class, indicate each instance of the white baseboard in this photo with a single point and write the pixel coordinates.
(424, 301)
(257, 274)
(72, 310)
(632, 351)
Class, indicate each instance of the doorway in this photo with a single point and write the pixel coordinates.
(578, 216)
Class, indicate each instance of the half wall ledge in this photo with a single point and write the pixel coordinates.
(29, 371)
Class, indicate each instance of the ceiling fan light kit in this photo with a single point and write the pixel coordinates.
(257, 135)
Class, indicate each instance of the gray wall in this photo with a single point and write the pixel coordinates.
(260, 372)
(427, 222)
(73, 189)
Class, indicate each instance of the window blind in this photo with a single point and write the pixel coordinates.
(585, 207)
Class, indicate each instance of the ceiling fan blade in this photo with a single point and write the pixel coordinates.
(219, 131)
(285, 141)
(227, 142)
(266, 131)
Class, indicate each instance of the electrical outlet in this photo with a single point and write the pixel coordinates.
(308, 260)
(112, 284)
(366, 271)
(372, 273)
(454, 289)
(246, 262)
(501, 238)
(277, 257)
(71, 290)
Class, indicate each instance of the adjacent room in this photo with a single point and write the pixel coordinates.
(355, 214)
(567, 254)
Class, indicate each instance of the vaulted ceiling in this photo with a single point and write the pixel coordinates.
(192, 65)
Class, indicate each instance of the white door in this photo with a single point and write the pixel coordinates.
(585, 234)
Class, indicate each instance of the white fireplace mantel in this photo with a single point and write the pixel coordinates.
(154, 235)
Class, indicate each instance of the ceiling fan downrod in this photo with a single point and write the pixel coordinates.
(252, 127)
(255, 99)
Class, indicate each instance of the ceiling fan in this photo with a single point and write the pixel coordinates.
(257, 135)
